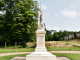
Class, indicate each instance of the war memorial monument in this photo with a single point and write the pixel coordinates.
(40, 51)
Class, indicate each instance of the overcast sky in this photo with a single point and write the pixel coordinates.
(61, 14)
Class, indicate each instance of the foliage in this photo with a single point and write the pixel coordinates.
(49, 37)
(19, 20)
(48, 32)
(75, 36)
(57, 36)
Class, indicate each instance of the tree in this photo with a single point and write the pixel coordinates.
(20, 19)
(27, 13)
(7, 7)
(48, 32)
(49, 37)
(58, 36)
(64, 33)
(52, 31)
(75, 36)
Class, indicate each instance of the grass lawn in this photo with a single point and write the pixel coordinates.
(69, 55)
(33, 49)
(64, 49)
(11, 56)
(16, 50)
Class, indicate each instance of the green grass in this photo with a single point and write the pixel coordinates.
(64, 49)
(69, 55)
(12, 56)
(32, 49)
(16, 50)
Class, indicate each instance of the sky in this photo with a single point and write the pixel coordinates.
(61, 14)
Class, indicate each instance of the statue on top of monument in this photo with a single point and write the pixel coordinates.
(40, 21)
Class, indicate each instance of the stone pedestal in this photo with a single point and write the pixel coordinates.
(40, 56)
(40, 51)
(40, 41)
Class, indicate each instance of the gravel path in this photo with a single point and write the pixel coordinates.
(77, 52)
(5, 54)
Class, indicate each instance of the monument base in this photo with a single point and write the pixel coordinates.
(40, 49)
(40, 56)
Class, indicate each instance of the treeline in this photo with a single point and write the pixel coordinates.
(53, 35)
(18, 20)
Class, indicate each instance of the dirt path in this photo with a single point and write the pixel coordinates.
(77, 52)
(5, 54)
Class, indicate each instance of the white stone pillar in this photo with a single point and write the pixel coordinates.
(40, 41)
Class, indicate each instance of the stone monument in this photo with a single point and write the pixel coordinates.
(40, 51)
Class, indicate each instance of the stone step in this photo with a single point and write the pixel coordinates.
(24, 58)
